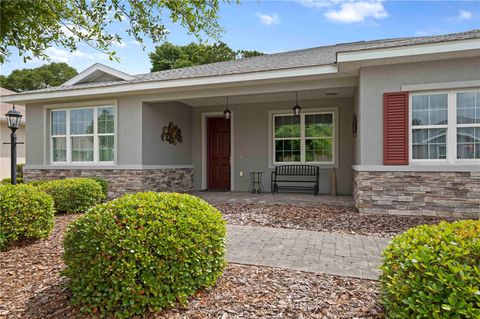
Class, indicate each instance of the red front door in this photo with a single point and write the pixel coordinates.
(218, 160)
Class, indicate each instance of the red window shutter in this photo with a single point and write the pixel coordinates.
(395, 128)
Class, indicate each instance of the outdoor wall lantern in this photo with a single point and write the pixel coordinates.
(227, 114)
(13, 122)
(296, 108)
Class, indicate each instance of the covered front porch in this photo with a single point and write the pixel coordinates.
(261, 133)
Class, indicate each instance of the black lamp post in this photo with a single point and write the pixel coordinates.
(13, 121)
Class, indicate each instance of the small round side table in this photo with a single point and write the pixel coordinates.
(256, 182)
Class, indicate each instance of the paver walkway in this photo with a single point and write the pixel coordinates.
(268, 198)
(331, 253)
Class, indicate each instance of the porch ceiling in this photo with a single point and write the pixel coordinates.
(273, 97)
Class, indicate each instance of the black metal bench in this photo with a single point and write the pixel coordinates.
(282, 173)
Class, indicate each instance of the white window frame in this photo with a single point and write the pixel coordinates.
(451, 127)
(58, 136)
(95, 135)
(289, 112)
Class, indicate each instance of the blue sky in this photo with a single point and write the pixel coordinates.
(275, 26)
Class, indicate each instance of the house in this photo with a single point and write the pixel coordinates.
(5, 135)
(399, 119)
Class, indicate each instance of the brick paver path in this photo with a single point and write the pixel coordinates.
(331, 253)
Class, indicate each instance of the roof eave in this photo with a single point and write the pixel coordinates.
(408, 50)
(238, 79)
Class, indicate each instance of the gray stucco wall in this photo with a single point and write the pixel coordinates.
(374, 81)
(34, 135)
(129, 132)
(155, 117)
(252, 145)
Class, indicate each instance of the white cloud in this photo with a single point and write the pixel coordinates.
(73, 58)
(268, 19)
(59, 55)
(135, 42)
(352, 12)
(348, 11)
(67, 30)
(464, 15)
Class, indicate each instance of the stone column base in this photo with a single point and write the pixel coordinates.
(123, 181)
(446, 194)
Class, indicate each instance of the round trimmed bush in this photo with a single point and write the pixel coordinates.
(8, 180)
(103, 184)
(73, 195)
(145, 251)
(25, 213)
(433, 272)
(37, 182)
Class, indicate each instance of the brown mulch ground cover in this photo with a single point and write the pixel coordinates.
(325, 218)
(32, 288)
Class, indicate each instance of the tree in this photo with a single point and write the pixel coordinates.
(33, 26)
(242, 54)
(53, 74)
(169, 56)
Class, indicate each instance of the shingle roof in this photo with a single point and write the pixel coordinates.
(318, 56)
(5, 107)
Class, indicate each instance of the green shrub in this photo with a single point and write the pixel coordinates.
(433, 272)
(19, 169)
(145, 251)
(73, 195)
(25, 213)
(8, 180)
(103, 184)
(37, 182)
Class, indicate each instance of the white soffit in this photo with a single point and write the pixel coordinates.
(343, 92)
(96, 71)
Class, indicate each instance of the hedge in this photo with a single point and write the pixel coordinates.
(142, 252)
(103, 184)
(433, 272)
(8, 180)
(73, 195)
(25, 213)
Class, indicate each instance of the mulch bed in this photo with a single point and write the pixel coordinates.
(324, 218)
(31, 287)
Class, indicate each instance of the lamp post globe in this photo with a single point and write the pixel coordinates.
(13, 122)
(13, 119)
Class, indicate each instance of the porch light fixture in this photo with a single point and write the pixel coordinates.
(296, 108)
(13, 122)
(227, 113)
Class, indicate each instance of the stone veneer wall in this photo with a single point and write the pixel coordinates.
(125, 180)
(447, 194)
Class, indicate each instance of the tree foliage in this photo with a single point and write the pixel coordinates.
(33, 26)
(169, 56)
(53, 74)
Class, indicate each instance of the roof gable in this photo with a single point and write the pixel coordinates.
(99, 73)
